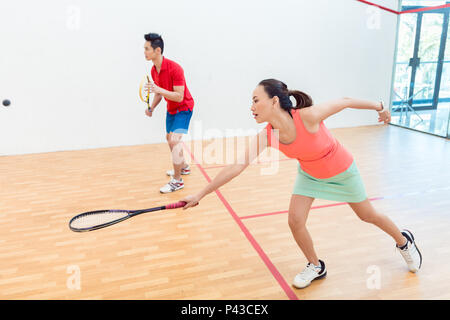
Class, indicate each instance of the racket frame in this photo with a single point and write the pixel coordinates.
(147, 98)
(130, 213)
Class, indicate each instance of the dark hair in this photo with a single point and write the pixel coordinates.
(277, 88)
(155, 40)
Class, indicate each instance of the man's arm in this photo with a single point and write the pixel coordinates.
(177, 95)
(320, 112)
(156, 100)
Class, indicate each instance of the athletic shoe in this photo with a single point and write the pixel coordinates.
(172, 186)
(410, 252)
(310, 273)
(184, 171)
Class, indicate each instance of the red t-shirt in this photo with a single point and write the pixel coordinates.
(170, 75)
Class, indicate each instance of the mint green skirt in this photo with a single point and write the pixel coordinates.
(344, 187)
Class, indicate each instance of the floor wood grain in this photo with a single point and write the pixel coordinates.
(202, 253)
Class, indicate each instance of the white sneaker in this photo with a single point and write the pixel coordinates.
(184, 171)
(310, 273)
(172, 186)
(411, 253)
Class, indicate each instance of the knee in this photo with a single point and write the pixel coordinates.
(174, 140)
(171, 144)
(295, 223)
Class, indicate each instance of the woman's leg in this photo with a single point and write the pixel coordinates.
(366, 212)
(298, 213)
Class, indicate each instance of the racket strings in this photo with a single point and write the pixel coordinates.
(91, 220)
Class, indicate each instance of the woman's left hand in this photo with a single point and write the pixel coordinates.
(384, 116)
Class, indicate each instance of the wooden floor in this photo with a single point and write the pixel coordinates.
(236, 244)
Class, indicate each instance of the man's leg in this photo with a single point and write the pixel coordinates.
(177, 154)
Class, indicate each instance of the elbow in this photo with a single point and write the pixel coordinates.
(180, 98)
(346, 102)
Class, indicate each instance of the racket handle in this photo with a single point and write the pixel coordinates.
(175, 205)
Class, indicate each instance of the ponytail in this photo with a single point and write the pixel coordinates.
(302, 99)
(277, 88)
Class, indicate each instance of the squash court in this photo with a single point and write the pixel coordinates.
(75, 139)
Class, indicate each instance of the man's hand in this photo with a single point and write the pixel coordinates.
(152, 87)
(148, 112)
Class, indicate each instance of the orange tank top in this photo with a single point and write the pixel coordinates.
(319, 154)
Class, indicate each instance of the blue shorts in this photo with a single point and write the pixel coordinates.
(179, 122)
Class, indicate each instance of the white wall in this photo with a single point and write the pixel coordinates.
(76, 88)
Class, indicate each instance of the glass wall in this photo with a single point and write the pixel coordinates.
(421, 86)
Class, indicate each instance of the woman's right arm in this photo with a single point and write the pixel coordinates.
(257, 144)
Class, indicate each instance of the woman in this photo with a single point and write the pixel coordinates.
(326, 170)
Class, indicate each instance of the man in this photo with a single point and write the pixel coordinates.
(169, 82)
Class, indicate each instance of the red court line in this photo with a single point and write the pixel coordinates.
(276, 274)
(315, 207)
(406, 11)
(381, 7)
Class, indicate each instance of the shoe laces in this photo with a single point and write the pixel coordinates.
(310, 270)
(174, 183)
(407, 252)
(407, 256)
